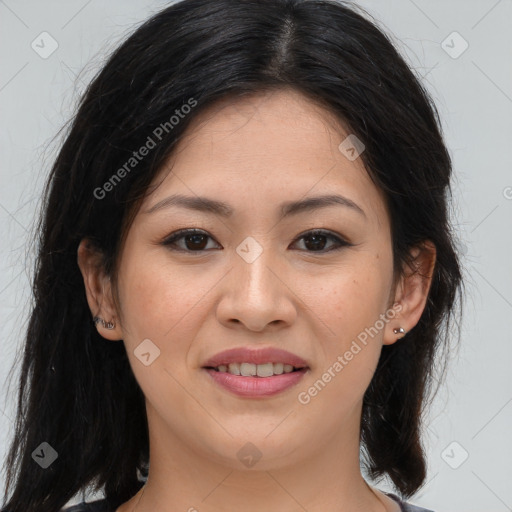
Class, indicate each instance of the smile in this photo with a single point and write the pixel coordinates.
(260, 385)
(256, 370)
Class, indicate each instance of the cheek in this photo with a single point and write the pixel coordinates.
(155, 295)
(164, 303)
(158, 305)
(353, 305)
(355, 298)
(350, 357)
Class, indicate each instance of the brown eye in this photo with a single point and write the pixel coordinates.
(194, 240)
(316, 241)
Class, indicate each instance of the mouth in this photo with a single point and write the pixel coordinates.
(256, 370)
(256, 373)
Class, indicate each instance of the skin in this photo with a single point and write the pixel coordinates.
(254, 154)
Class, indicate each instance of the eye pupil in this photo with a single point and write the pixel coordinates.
(195, 238)
(315, 239)
(193, 241)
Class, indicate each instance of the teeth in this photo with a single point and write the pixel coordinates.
(247, 369)
(234, 368)
(265, 370)
(253, 370)
(278, 368)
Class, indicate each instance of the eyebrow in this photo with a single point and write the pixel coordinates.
(219, 208)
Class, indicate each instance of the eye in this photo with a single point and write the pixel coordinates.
(318, 238)
(195, 240)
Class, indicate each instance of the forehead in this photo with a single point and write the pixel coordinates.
(263, 147)
(284, 120)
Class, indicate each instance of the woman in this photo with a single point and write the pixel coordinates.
(245, 272)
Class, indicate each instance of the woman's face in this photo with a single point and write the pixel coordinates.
(259, 279)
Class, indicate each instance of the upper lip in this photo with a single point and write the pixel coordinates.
(255, 356)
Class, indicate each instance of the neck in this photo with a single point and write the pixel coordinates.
(328, 480)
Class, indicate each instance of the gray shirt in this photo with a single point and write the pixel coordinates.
(101, 506)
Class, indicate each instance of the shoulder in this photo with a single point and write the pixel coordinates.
(93, 506)
(407, 507)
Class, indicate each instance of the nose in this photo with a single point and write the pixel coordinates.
(258, 295)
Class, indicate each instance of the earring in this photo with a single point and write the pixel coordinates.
(106, 325)
(400, 330)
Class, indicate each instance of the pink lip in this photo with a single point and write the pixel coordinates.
(255, 356)
(256, 386)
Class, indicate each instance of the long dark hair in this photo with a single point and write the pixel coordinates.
(77, 392)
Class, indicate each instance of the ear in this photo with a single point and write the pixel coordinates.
(411, 291)
(98, 289)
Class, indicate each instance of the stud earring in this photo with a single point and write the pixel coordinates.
(399, 330)
(106, 325)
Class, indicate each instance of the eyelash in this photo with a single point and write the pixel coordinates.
(182, 233)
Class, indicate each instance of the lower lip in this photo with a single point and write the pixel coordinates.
(256, 386)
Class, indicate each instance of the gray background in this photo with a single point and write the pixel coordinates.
(473, 412)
